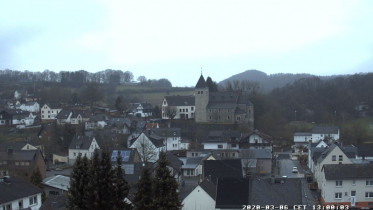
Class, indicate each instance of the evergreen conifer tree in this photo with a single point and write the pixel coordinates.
(78, 181)
(91, 198)
(165, 187)
(144, 195)
(37, 180)
(121, 187)
(106, 186)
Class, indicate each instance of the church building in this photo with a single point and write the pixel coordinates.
(222, 106)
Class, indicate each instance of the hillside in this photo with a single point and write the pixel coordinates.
(266, 82)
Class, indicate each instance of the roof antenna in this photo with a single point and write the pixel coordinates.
(201, 70)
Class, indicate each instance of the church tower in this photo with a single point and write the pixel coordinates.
(201, 93)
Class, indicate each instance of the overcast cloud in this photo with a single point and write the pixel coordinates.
(174, 39)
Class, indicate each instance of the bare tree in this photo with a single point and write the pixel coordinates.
(146, 149)
(171, 112)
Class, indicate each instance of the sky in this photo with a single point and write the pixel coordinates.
(177, 39)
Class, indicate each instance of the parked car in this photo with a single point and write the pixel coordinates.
(295, 170)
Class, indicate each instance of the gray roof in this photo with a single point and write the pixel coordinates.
(302, 134)
(27, 155)
(191, 162)
(59, 181)
(256, 153)
(119, 122)
(213, 169)
(156, 140)
(232, 193)
(166, 132)
(349, 151)
(201, 82)
(180, 100)
(15, 188)
(365, 149)
(222, 136)
(63, 114)
(325, 129)
(228, 99)
(173, 161)
(287, 193)
(15, 145)
(209, 188)
(348, 171)
(81, 142)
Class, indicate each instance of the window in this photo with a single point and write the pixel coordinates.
(201, 92)
(233, 154)
(20, 204)
(340, 158)
(191, 108)
(369, 194)
(74, 154)
(188, 173)
(192, 172)
(8, 207)
(234, 145)
(338, 195)
(369, 182)
(338, 183)
(228, 118)
(220, 146)
(33, 200)
(42, 112)
(186, 110)
(353, 193)
(353, 182)
(334, 158)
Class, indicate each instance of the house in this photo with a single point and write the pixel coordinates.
(56, 185)
(276, 191)
(140, 110)
(148, 146)
(120, 125)
(365, 152)
(130, 157)
(171, 136)
(192, 166)
(325, 132)
(214, 169)
(98, 121)
(223, 106)
(84, 145)
(302, 139)
(201, 198)
(347, 184)
(174, 165)
(257, 139)
(331, 155)
(178, 107)
(222, 140)
(26, 144)
(256, 161)
(78, 117)
(22, 162)
(31, 106)
(19, 194)
(49, 112)
(64, 117)
(16, 117)
(232, 193)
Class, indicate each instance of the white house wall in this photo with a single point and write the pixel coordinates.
(26, 203)
(328, 160)
(198, 199)
(214, 145)
(329, 189)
